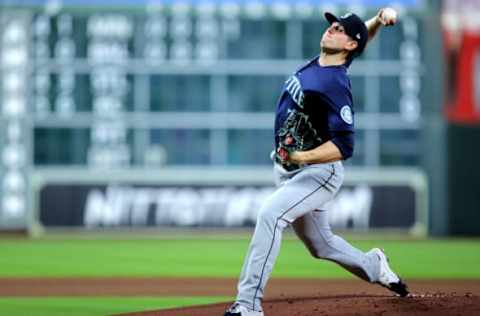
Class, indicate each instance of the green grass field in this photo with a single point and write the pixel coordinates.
(201, 257)
(80, 306)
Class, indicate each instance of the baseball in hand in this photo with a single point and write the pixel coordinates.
(388, 16)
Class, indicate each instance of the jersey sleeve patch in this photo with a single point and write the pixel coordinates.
(346, 114)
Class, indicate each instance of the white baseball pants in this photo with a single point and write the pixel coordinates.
(298, 201)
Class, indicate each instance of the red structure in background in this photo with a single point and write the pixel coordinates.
(462, 47)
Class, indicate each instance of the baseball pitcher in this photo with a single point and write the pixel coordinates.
(314, 132)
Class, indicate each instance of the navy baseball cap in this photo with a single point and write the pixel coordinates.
(354, 27)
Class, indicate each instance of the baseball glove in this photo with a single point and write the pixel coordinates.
(296, 134)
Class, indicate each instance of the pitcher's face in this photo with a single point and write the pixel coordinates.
(335, 40)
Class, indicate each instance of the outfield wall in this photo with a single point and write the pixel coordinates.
(370, 199)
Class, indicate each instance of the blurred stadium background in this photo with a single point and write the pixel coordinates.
(157, 117)
(160, 113)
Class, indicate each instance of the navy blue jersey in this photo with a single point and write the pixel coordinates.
(315, 104)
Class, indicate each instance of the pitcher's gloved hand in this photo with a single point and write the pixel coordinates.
(286, 146)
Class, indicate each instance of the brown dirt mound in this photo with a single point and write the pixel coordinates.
(351, 305)
(292, 297)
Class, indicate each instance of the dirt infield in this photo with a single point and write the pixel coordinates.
(292, 297)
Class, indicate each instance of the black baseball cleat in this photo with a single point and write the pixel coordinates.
(387, 278)
(239, 310)
(400, 288)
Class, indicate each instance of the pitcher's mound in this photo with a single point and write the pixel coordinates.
(420, 304)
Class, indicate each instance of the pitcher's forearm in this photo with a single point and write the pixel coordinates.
(327, 152)
(384, 17)
(373, 25)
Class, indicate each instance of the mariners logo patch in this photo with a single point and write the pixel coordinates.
(346, 114)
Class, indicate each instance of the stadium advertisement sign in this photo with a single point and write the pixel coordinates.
(358, 207)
